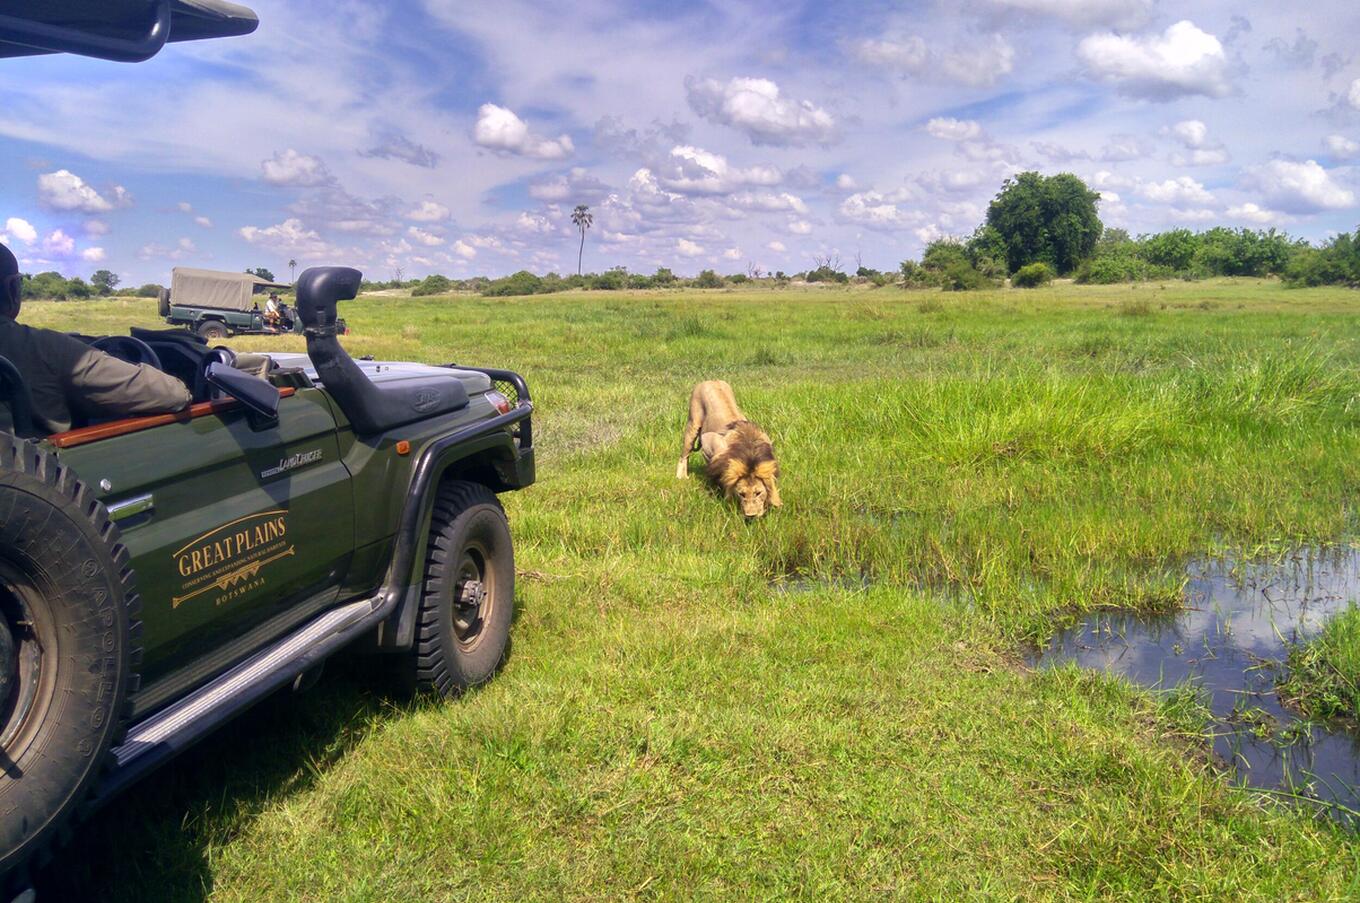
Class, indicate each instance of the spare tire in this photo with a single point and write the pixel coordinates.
(68, 607)
(163, 302)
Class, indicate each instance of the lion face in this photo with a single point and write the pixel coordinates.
(753, 494)
(747, 473)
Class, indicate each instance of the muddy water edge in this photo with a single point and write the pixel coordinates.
(1230, 641)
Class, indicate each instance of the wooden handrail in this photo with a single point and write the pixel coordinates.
(87, 434)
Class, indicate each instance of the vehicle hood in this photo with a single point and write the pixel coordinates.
(475, 382)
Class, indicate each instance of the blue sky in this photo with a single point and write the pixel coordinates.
(455, 137)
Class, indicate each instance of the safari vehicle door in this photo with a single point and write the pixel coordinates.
(240, 528)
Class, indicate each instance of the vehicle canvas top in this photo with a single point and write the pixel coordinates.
(213, 288)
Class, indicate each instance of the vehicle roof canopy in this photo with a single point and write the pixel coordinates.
(191, 287)
(122, 30)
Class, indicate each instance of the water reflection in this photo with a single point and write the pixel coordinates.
(1238, 620)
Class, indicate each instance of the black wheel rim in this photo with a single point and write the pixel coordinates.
(474, 596)
(28, 689)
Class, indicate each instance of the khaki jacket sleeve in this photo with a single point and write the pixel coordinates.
(102, 384)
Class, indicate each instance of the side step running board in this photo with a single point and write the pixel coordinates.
(171, 730)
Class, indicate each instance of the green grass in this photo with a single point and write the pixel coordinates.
(1323, 677)
(830, 702)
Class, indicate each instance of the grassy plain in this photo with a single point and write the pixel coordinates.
(829, 703)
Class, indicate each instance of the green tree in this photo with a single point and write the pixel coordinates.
(292, 270)
(582, 219)
(104, 281)
(1049, 219)
(708, 279)
(1175, 248)
(264, 274)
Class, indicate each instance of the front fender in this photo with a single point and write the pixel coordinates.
(485, 452)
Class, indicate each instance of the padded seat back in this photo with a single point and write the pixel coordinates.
(16, 405)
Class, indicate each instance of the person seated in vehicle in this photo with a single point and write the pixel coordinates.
(271, 309)
(66, 377)
(285, 316)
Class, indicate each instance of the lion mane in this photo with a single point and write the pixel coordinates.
(748, 452)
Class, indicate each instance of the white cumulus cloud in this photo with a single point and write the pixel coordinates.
(203, 221)
(181, 250)
(686, 248)
(428, 239)
(533, 222)
(1181, 192)
(979, 64)
(288, 237)
(1343, 147)
(1300, 187)
(777, 247)
(464, 250)
(845, 182)
(1181, 61)
(800, 227)
(1254, 213)
(429, 212)
(756, 107)
(693, 170)
(58, 243)
(1193, 135)
(21, 230)
(769, 202)
(288, 167)
(732, 254)
(954, 129)
(877, 211)
(92, 255)
(64, 190)
(500, 130)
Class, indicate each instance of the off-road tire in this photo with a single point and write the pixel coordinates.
(212, 330)
(163, 302)
(467, 530)
(68, 595)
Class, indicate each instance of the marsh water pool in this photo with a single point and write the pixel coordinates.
(1230, 640)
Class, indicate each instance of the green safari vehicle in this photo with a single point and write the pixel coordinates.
(160, 574)
(216, 304)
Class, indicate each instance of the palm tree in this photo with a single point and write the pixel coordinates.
(292, 270)
(581, 218)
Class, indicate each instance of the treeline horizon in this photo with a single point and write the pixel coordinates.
(1037, 228)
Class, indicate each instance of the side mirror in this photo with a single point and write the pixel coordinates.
(260, 398)
(319, 289)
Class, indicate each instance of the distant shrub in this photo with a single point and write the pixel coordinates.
(663, 277)
(738, 278)
(708, 279)
(915, 276)
(1336, 263)
(942, 253)
(1108, 270)
(609, 281)
(826, 274)
(1033, 275)
(150, 290)
(521, 283)
(433, 285)
(960, 276)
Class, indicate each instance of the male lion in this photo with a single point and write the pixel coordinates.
(739, 455)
